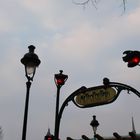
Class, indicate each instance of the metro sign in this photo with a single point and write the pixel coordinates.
(95, 96)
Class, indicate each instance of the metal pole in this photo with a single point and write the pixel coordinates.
(94, 135)
(28, 85)
(65, 103)
(56, 113)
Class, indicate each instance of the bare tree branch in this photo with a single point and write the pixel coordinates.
(85, 2)
(94, 2)
(81, 3)
(124, 4)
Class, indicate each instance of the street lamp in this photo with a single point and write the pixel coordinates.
(30, 61)
(60, 80)
(94, 124)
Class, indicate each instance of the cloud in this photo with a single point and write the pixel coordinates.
(70, 43)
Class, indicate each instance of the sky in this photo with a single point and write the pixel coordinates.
(87, 43)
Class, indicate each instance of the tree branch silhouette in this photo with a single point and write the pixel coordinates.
(94, 2)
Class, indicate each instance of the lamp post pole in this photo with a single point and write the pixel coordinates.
(28, 85)
(30, 61)
(60, 80)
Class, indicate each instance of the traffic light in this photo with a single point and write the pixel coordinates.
(132, 58)
(60, 78)
(49, 137)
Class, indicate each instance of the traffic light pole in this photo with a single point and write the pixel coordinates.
(56, 113)
(60, 80)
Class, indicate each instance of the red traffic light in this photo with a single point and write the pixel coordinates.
(132, 58)
(49, 138)
(60, 82)
(60, 78)
(136, 60)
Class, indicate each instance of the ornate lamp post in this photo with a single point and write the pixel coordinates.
(60, 80)
(30, 61)
(94, 123)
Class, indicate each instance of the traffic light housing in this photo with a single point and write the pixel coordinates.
(132, 58)
(60, 79)
(51, 137)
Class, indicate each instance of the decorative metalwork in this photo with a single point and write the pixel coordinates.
(118, 87)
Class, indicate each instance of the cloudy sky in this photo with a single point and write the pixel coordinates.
(87, 44)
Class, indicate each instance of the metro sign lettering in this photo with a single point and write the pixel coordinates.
(94, 97)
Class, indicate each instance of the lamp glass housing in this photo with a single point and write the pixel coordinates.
(30, 61)
(94, 129)
(30, 69)
(94, 123)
